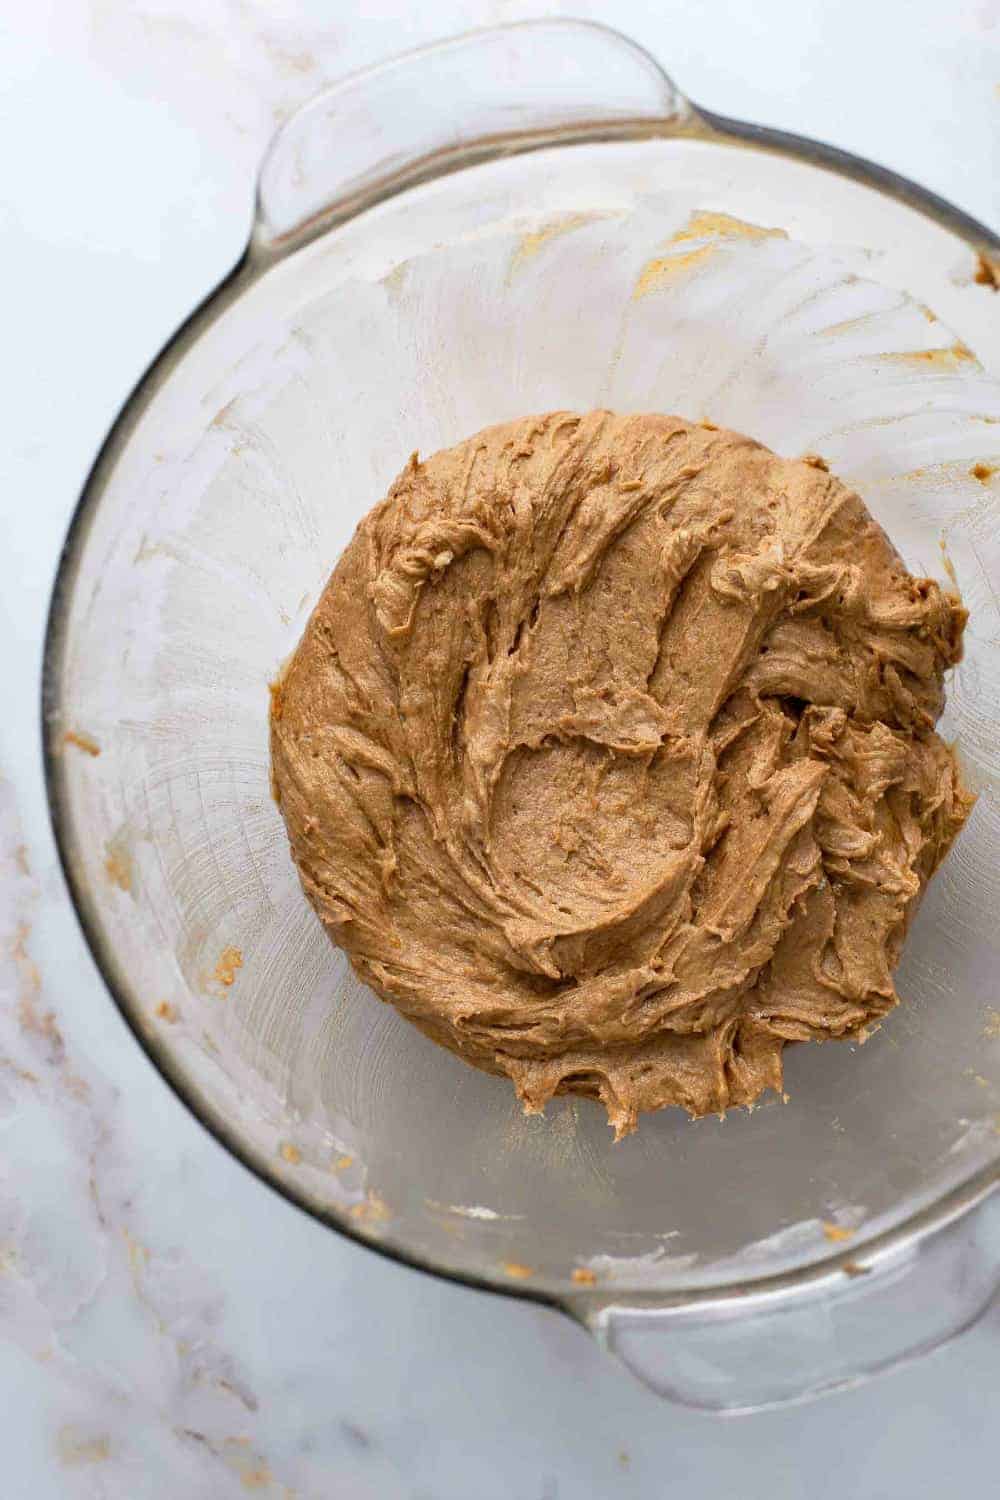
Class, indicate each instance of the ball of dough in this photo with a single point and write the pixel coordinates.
(608, 756)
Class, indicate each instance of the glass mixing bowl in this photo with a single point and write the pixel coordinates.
(523, 219)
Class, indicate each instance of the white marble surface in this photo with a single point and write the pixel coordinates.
(168, 1326)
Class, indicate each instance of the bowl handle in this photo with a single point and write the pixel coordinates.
(504, 90)
(862, 1313)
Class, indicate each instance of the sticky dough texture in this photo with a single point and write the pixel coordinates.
(608, 756)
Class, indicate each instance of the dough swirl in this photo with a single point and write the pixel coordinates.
(608, 756)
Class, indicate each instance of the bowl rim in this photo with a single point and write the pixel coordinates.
(251, 265)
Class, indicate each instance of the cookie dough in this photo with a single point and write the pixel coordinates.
(608, 756)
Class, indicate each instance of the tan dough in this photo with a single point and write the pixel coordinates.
(608, 756)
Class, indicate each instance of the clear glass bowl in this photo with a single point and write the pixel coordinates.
(529, 218)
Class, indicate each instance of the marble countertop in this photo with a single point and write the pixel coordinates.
(169, 1327)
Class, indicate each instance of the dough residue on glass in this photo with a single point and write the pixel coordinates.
(608, 756)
